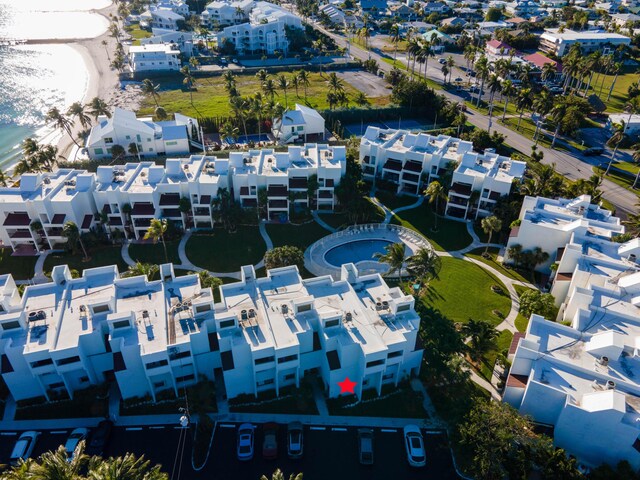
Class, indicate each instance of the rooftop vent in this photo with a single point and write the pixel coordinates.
(603, 361)
(611, 385)
(285, 308)
(243, 315)
(348, 317)
(46, 180)
(252, 313)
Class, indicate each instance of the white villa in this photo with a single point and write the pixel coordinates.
(551, 223)
(166, 18)
(558, 43)
(490, 174)
(154, 57)
(273, 331)
(299, 124)
(580, 378)
(631, 122)
(285, 176)
(32, 215)
(150, 336)
(152, 138)
(183, 41)
(223, 13)
(154, 191)
(263, 33)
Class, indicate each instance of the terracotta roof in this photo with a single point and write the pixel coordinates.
(497, 44)
(514, 342)
(540, 60)
(517, 381)
(20, 219)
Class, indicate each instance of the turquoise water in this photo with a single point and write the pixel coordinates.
(34, 78)
(356, 251)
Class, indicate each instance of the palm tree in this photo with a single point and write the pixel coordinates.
(435, 191)
(394, 33)
(77, 110)
(507, 90)
(482, 71)
(295, 82)
(425, 264)
(523, 101)
(127, 467)
(450, 63)
(445, 71)
(615, 139)
(3, 178)
(278, 475)
(150, 88)
(98, 107)
(207, 280)
(335, 84)
(262, 75)
(60, 121)
(139, 268)
(482, 337)
(156, 231)
(548, 71)
(394, 257)
(240, 105)
(636, 158)
(257, 108)
(57, 464)
(269, 88)
(361, 99)
(284, 84)
(189, 80)
(303, 78)
(72, 234)
(489, 225)
(229, 131)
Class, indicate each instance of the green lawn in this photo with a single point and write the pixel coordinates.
(521, 321)
(620, 94)
(210, 99)
(99, 257)
(298, 236)
(453, 402)
(22, 268)
(451, 235)
(393, 201)
(336, 220)
(226, 252)
(489, 360)
(509, 272)
(618, 178)
(402, 402)
(154, 253)
(463, 291)
(137, 33)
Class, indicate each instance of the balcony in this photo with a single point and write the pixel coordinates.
(244, 192)
(169, 199)
(298, 183)
(278, 204)
(461, 189)
(325, 195)
(413, 167)
(171, 213)
(201, 212)
(143, 210)
(22, 233)
(410, 177)
(278, 191)
(58, 219)
(19, 219)
(393, 165)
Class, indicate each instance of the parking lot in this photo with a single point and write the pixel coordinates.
(328, 452)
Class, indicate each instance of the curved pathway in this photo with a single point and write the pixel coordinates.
(322, 223)
(39, 276)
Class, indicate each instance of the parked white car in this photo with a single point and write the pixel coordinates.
(414, 444)
(24, 447)
(245, 442)
(74, 439)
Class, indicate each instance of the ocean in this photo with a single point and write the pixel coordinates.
(36, 77)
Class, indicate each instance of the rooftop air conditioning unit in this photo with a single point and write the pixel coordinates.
(47, 180)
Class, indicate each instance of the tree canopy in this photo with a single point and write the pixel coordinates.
(283, 256)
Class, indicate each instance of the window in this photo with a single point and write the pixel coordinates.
(263, 383)
(179, 355)
(263, 360)
(332, 323)
(185, 378)
(156, 364)
(395, 354)
(84, 379)
(121, 324)
(108, 140)
(213, 342)
(388, 376)
(288, 358)
(375, 363)
(98, 151)
(227, 323)
(172, 142)
(101, 308)
(300, 128)
(68, 360)
(118, 362)
(128, 137)
(316, 342)
(41, 363)
(10, 325)
(158, 384)
(6, 364)
(203, 308)
(291, 376)
(403, 308)
(636, 444)
(53, 386)
(227, 360)
(304, 308)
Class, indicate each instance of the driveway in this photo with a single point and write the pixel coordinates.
(368, 83)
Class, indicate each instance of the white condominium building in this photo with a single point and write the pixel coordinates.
(410, 160)
(223, 13)
(490, 175)
(182, 41)
(263, 33)
(272, 331)
(153, 191)
(151, 138)
(154, 57)
(558, 43)
(583, 378)
(301, 123)
(550, 224)
(286, 177)
(164, 17)
(65, 335)
(33, 214)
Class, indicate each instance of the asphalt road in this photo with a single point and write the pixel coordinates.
(571, 166)
(327, 454)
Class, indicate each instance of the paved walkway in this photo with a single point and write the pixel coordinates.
(114, 402)
(124, 252)
(418, 386)
(318, 397)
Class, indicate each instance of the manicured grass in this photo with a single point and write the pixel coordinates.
(619, 178)
(99, 257)
(22, 268)
(226, 252)
(493, 252)
(210, 98)
(452, 402)
(402, 402)
(489, 360)
(463, 291)
(294, 401)
(393, 201)
(620, 94)
(629, 167)
(521, 321)
(451, 235)
(336, 220)
(298, 236)
(154, 253)
(137, 33)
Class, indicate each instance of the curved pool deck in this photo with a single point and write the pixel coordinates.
(315, 257)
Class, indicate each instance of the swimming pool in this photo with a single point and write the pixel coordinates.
(356, 251)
